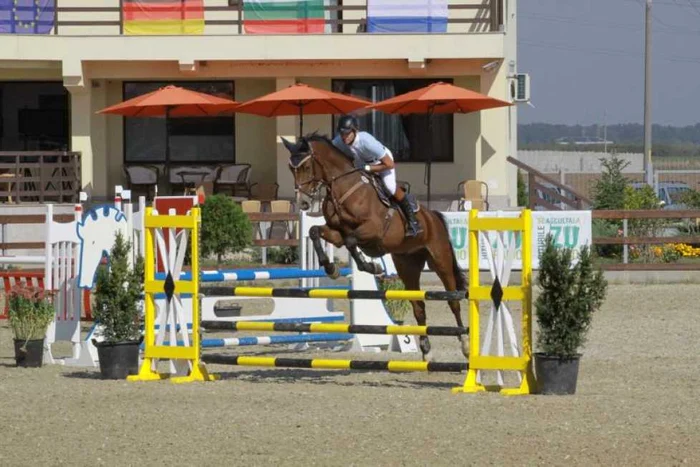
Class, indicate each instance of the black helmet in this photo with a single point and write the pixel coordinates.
(348, 123)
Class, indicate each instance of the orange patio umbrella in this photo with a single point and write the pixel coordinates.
(172, 102)
(437, 98)
(300, 99)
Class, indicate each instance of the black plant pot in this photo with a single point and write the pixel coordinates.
(31, 354)
(556, 375)
(118, 359)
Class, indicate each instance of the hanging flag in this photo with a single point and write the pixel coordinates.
(283, 16)
(27, 16)
(397, 16)
(143, 17)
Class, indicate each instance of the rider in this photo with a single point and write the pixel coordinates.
(373, 156)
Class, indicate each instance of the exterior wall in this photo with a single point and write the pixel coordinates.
(577, 161)
(94, 69)
(479, 148)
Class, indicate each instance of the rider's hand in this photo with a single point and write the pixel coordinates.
(367, 168)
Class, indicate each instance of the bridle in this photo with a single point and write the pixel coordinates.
(321, 182)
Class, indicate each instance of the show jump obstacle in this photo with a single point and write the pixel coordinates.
(498, 234)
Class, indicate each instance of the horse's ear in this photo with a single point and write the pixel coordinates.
(290, 147)
(304, 145)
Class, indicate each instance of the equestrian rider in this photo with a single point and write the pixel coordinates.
(373, 156)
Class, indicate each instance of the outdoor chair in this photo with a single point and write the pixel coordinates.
(188, 177)
(253, 206)
(234, 177)
(284, 206)
(473, 193)
(142, 178)
(264, 192)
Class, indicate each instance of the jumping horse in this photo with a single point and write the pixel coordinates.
(359, 216)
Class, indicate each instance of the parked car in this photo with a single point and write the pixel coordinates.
(669, 193)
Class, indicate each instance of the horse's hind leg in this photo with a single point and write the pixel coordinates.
(332, 236)
(409, 267)
(445, 270)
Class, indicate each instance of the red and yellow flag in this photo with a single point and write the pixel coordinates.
(143, 17)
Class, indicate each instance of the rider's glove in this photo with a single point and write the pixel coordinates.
(367, 168)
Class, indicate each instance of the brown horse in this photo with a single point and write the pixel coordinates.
(356, 218)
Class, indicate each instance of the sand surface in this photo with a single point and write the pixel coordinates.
(637, 404)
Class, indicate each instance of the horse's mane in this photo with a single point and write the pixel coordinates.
(322, 138)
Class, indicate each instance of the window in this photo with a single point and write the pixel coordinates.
(199, 140)
(34, 116)
(405, 135)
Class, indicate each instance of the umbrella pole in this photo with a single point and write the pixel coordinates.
(301, 121)
(167, 148)
(430, 151)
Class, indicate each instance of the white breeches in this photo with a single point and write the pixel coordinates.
(389, 177)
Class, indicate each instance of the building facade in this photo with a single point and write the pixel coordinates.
(60, 65)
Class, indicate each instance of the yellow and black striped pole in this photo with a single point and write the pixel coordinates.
(391, 365)
(334, 293)
(340, 328)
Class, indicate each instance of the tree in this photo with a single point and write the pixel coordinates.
(609, 190)
(225, 227)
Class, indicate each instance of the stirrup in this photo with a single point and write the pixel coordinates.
(411, 230)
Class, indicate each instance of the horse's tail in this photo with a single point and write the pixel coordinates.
(460, 277)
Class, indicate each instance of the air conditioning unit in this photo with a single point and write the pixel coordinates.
(520, 87)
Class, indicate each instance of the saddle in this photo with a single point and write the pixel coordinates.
(385, 196)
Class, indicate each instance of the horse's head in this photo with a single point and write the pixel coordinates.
(307, 172)
(97, 234)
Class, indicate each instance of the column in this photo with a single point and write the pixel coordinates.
(287, 127)
(81, 141)
(494, 142)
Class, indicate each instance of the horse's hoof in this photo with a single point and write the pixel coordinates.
(374, 269)
(465, 345)
(332, 271)
(428, 357)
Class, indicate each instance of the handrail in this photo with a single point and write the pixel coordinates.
(534, 199)
(488, 13)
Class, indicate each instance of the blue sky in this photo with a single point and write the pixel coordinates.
(586, 59)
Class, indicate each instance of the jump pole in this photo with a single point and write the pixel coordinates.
(392, 365)
(340, 328)
(334, 293)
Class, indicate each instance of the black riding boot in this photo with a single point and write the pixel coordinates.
(413, 228)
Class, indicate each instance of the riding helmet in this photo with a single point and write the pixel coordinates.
(348, 123)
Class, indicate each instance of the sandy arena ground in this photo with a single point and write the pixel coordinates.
(637, 404)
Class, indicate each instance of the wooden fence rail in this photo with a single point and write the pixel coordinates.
(651, 215)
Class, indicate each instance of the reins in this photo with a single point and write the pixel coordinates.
(311, 157)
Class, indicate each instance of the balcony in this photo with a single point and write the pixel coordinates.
(226, 17)
(341, 32)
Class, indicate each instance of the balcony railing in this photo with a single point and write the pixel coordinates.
(39, 177)
(227, 18)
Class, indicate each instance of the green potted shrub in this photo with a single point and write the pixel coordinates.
(118, 294)
(397, 309)
(225, 228)
(31, 311)
(570, 294)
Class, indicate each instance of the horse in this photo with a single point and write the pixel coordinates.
(360, 218)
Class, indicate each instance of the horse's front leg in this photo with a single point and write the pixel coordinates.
(316, 233)
(367, 266)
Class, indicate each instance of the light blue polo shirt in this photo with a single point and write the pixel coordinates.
(365, 149)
